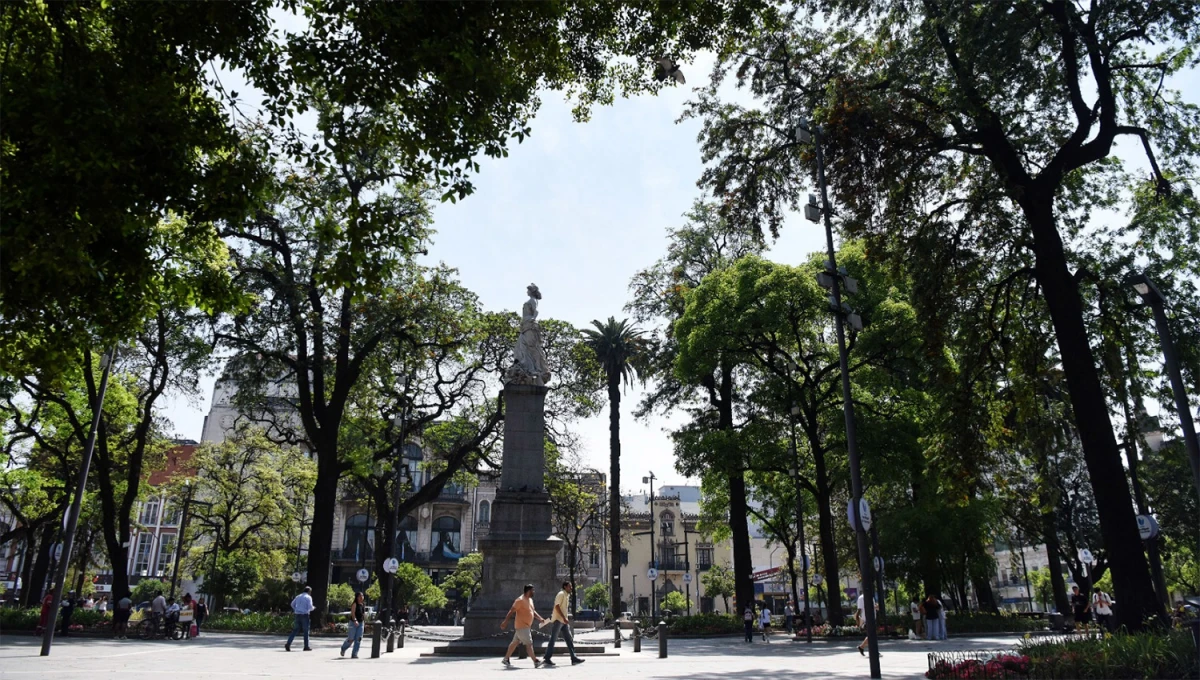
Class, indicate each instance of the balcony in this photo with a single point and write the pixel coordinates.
(704, 566)
(451, 494)
(355, 554)
(671, 565)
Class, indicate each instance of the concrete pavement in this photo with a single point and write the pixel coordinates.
(217, 656)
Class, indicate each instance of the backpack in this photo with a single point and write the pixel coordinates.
(748, 616)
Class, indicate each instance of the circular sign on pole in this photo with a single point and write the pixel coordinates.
(391, 565)
(1147, 527)
(816, 579)
(296, 576)
(363, 575)
(864, 513)
(652, 573)
(57, 551)
(687, 578)
(1085, 556)
(878, 561)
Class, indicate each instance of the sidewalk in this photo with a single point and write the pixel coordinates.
(216, 656)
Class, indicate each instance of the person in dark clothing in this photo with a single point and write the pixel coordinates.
(748, 622)
(68, 608)
(354, 629)
(1082, 607)
(932, 609)
(201, 614)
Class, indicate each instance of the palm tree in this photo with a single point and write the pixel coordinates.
(622, 351)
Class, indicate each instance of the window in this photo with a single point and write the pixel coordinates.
(166, 554)
(704, 556)
(485, 511)
(171, 513)
(408, 537)
(624, 557)
(149, 515)
(1003, 575)
(668, 523)
(141, 555)
(358, 538)
(448, 533)
(413, 457)
(594, 557)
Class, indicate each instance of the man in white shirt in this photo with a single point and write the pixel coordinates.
(560, 624)
(158, 610)
(789, 615)
(918, 619)
(764, 622)
(302, 609)
(1101, 607)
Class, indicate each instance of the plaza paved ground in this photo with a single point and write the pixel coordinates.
(229, 657)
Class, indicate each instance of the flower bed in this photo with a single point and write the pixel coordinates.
(972, 665)
(1140, 655)
(826, 630)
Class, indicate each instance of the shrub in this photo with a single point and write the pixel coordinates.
(705, 624)
(257, 622)
(12, 618)
(1134, 655)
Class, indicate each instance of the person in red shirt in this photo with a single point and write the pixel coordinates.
(47, 603)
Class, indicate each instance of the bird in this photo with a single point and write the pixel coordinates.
(668, 68)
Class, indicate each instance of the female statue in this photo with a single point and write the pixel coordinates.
(529, 365)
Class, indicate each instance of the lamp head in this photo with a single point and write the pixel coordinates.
(1144, 287)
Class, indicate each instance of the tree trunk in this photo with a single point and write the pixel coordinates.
(614, 493)
(27, 559)
(986, 597)
(85, 555)
(41, 567)
(829, 556)
(1057, 583)
(1131, 575)
(743, 567)
(320, 537)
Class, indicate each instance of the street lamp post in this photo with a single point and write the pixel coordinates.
(840, 317)
(795, 411)
(402, 477)
(1154, 299)
(72, 523)
(653, 562)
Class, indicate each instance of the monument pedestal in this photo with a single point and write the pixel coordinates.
(520, 548)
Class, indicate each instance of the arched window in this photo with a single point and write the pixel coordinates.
(447, 531)
(485, 511)
(668, 523)
(358, 537)
(407, 536)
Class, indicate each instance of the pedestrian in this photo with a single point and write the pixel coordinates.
(302, 609)
(748, 623)
(764, 621)
(560, 624)
(158, 611)
(932, 609)
(68, 609)
(102, 605)
(1102, 607)
(47, 604)
(860, 616)
(918, 621)
(201, 614)
(789, 617)
(121, 612)
(354, 630)
(942, 619)
(523, 613)
(1081, 607)
(89, 603)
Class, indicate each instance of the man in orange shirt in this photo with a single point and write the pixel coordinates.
(524, 613)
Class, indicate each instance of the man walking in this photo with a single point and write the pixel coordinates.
(302, 609)
(1102, 608)
(789, 616)
(559, 623)
(523, 612)
(748, 623)
(158, 610)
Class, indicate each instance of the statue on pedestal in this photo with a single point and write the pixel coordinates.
(529, 359)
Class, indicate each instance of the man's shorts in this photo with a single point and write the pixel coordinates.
(523, 635)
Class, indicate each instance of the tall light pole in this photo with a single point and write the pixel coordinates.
(653, 563)
(805, 132)
(1154, 299)
(795, 411)
(401, 477)
(72, 518)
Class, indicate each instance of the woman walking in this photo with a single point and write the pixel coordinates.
(354, 633)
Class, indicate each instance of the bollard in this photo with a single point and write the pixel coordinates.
(403, 622)
(662, 639)
(637, 638)
(391, 645)
(376, 634)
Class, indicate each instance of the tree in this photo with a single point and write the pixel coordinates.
(467, 577)
(596, 596)
(706, 244)
(414, 588)
(576, 510)
(113, 99)
(718, 582)
(676, 601)
(933, 146)
(621, 352)
(235, 578)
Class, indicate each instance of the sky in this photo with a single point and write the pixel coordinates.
(578, 208)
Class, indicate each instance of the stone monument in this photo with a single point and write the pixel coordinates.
(519, 548)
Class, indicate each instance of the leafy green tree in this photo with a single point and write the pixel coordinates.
(341, 596)
(467, 577)
(596, 596)
(114, 99)
(704, 245)
(676, 601)
(933, 148)
(235, 579)
(577, 510)
(718, 581)
(620, 349)
(146, 589)
(414, 588)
